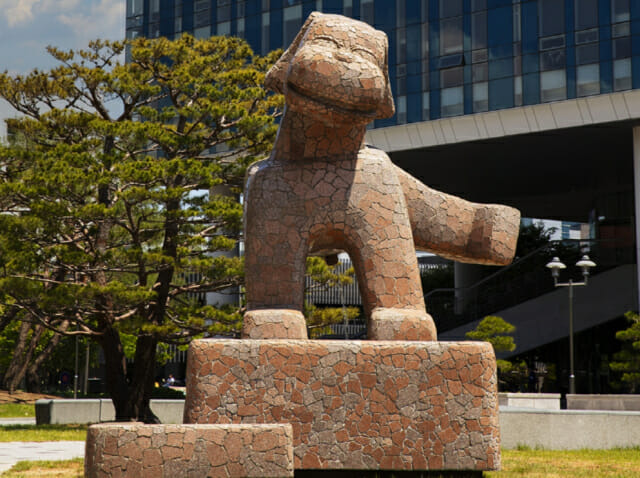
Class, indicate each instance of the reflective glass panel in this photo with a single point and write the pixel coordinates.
(553, 85)
(586, 14)
(452, 101)
(588, 80)
(551, 17)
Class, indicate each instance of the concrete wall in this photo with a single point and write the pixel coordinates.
(544, 401)
(99, 410)
(603, 402)
(569, 429)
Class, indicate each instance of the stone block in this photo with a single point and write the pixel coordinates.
(138, 450)
(363, 405)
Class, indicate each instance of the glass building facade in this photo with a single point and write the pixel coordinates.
(446, 57)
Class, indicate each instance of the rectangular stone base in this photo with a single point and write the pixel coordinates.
(138, 450)
(356, 404)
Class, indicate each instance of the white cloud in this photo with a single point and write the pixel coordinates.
(17, 11)
(101, 19)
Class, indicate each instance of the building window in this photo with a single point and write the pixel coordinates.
(551, 17)
(621, 48)
(479, 72)
(479, 30)
(401, 110)
(587, 53)
(480, 97)
(450, 8)
(451, 36)
(292, 23)
(620, 11)
(223, 28)
(588, 80)
(204, 32)
(266, 5)
(223, 13)
(553, 59)
(135, 7)
(553, 85)
(401, 13)
(622, 74)
(451, 32)
(451, 101)
(366, 11)
(347, 8)
(478, 5)
(425, 106)
(401, 45)
(201, 14)
(154, 10)
(240, 27)
(586, 14)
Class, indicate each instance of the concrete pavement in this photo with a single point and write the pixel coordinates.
(13, 452)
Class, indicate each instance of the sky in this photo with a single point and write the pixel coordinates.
(27, 27)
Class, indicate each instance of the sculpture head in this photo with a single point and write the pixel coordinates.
(335, 64)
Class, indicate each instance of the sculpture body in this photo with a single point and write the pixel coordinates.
(323, 190)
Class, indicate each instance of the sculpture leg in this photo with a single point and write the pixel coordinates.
(390, 286)
(401, 324)
(274, 277)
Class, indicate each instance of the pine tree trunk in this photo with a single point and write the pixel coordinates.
(130, 391)
(32, 375)
(12, 375)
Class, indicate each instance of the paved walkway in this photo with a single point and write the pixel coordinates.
(13, 452)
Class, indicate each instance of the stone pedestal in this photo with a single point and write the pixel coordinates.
(356, 404)
(138, 450)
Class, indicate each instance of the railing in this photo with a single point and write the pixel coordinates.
(525, 279)
(347, 294)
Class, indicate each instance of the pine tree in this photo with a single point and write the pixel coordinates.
(121, 180)
(496, 331)
(627, 361)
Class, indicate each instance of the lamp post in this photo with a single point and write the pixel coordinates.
(556, 265)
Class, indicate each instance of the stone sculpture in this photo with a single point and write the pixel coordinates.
(323, 190)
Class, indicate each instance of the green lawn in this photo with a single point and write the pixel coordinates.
(11, 410)
(43, 433)
(574, 463)
(40, 469)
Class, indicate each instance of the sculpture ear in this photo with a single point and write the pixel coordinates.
(276, 76)
(386, 109)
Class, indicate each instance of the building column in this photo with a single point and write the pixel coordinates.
(636, 192)
(465, 276)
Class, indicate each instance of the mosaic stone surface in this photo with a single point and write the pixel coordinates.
(322, 190)
(356, 404)
(195, 451)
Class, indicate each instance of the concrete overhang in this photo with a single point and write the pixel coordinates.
(587, 111)
(558, 160)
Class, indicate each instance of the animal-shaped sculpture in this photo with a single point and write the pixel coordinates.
(323, 189)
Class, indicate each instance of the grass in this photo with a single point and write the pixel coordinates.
(525, 462)
(49, 469)
(43, 433)
(12, 410)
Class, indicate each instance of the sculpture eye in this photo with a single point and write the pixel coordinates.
(324, 40)
(363, 52)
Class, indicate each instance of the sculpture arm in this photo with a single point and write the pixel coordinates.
(457, 229)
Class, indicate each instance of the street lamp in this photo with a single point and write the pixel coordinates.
(556, 265)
